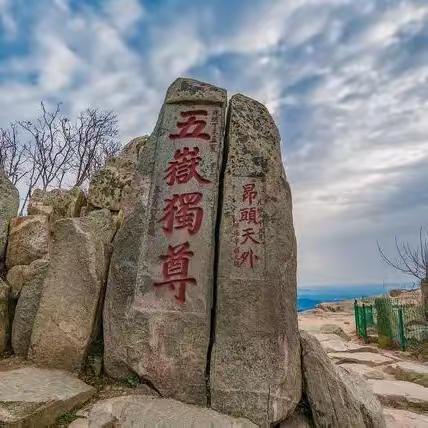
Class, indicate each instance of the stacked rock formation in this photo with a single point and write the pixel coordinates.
(184, 253)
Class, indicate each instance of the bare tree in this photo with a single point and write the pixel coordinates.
(94, 141)
(410, 259)
(12, 154)
(57, 152)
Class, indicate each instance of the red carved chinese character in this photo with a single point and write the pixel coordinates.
(183, 167)
(191, 127)
(175, 270)
(181, 211)
(249, 193)
(248, 257)
(248, 235)
(249, 215)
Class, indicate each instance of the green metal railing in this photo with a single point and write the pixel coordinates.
(394, 324)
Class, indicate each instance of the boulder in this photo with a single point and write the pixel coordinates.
(9, 204)
(297, 420)
(401, 394)
(34, 397)
(4, 316)
(337, 397)
(27, 306)
(158, 310)
(113, 182)
(255, 361)
(143, 411)
(28, 240)
(16, 278)
(409, 371)
(57, 203)
(66, 320)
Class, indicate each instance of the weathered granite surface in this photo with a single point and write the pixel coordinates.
(33, 397)
(255, 365)
(143, 411)
(9, 204)
(72, 291)
(338, 398)
(167, 310)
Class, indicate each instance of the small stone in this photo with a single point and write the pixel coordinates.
(143, 411)
(409, 371)
(28, 240)
(34, 397)
(9, 204)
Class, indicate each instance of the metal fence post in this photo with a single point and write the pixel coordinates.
(364, 326)
(401, 333)
(357, 327)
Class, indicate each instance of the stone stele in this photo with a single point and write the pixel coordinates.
(167, 309)
(255, 364)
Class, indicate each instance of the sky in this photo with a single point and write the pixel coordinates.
(346, 81)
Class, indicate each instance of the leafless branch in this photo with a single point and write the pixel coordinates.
(409, 260)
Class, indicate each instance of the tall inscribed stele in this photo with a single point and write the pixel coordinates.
(174, 288)
(255, 361)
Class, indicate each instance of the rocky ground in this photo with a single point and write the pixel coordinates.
(398, 379)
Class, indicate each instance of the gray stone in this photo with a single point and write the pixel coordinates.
(158, 326)
(401, 394)
(27, 306)
(33, 397)
(142, 411)
(297, 420)
(9, 204)
(404, 419)
(368, 358)
(16, 278)
(334, 343)
(66, 321)
(4, 316)
(255, 365)
(57, 203)
(334, 329)
(409, 371)
(28, 240)
(337, 397)
(113, 182)
(364, 371)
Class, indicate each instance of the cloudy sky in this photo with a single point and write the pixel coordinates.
(346, 80)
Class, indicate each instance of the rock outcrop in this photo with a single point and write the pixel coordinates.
(28, 305)
(337, 397)
(111, 187)
(4, 315)
(28, 240)
(72, 291)
(255, 365)
(57, 203)
(9, 204)
(167, 310)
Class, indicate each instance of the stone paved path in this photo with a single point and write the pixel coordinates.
(400, 383)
